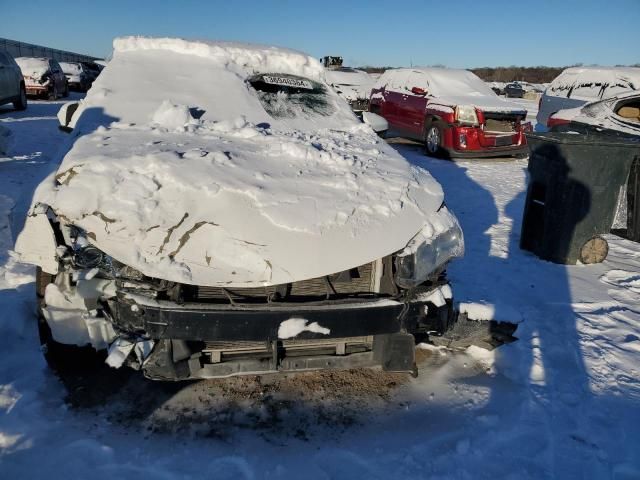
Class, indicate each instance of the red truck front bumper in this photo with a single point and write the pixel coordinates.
(461, 141)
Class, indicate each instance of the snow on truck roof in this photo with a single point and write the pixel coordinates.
(208, 176)
(449, 86)
(442, 82)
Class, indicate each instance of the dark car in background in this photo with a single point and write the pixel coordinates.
(513, 90)
(43, 77)
(12, 88)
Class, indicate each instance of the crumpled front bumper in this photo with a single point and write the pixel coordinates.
(168, 320)
(214, 340)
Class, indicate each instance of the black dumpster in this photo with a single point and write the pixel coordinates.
(577, 185)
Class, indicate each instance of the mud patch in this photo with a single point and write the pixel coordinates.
(276, 406)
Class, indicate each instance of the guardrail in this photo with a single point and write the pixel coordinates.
(22, 49)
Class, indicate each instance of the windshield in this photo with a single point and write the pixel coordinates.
(290, 96)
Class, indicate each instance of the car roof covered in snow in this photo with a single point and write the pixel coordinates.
(598, 78)
(440, 81)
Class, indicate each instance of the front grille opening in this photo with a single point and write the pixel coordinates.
(226, 351)
(361, 282)
(499, 126)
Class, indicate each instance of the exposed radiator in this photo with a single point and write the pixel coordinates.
(361, 280)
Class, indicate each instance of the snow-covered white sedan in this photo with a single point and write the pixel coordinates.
(221, 211)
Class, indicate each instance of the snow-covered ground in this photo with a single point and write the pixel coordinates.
(561, 402)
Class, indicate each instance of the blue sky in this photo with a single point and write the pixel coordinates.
(455, 33)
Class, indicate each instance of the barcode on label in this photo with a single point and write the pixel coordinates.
(287, 82)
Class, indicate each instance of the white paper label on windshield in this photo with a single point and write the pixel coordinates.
(287, 82)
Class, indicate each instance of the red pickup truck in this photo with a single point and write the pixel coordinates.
(452, 111)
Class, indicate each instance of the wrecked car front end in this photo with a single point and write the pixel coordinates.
(371, 315)
(254, 227)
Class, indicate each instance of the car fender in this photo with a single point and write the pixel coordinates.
(36, 244)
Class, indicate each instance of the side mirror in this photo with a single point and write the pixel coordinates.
(376, 122)
(418, 91)
(65, 114)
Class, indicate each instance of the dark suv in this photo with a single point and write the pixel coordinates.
(513, 90)
(12, 88)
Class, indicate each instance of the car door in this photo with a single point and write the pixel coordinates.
(388, 106)
(415, 103)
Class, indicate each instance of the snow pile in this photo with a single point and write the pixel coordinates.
(486, 311)
(188, 178)
(172, 117)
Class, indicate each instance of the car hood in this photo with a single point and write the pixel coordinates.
(482, 102)
(241, 205)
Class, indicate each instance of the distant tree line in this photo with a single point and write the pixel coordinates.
(506, 74)
(524, 74)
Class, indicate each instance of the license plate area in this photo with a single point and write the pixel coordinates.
(504, 140)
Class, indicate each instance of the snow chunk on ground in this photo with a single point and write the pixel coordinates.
(172, 117)
(295, 326)
(487, 311)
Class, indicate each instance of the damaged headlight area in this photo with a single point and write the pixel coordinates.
(421, 258)
(85, 256)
